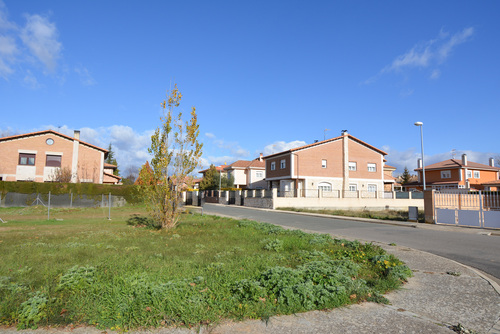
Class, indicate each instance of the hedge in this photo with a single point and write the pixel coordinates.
(130, 193)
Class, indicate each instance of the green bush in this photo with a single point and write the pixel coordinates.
(130, 192)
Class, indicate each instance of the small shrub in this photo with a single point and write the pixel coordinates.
(33, 311)
(275, 245)
(77, 278)
(141, 221)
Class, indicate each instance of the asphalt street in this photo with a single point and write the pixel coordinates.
(472, 247)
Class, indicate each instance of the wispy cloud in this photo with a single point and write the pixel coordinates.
(280, 146)
(31, 81)
(433, 52)
(41, 37)
(234, 148)
(129, 146)
(85, 76)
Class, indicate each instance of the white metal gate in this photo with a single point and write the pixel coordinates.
(466, 208)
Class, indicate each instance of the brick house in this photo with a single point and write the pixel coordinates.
(248, 174)
(109, 176)
(38, 157)
(343, 163)
(390, 182)
(457, 174)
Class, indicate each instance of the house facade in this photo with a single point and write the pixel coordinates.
(343, 163)
(248, 174)
(457, 174)
(390, 182)
(109, 177)
(42, 157)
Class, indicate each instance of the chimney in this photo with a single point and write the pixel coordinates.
(260, 157)
(492, 162)
(419, 163)
(77, 134)
(464, 159)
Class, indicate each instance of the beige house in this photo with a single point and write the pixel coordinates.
(248, 174)
(41, 156)
(343, 163)
(109, 176)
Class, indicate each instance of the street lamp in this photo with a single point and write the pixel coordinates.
(420, 124)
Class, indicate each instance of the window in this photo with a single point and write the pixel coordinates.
(26, 159)
(259, 174)
(372, 167)
(352, 166)
(273, 165)
(50, 141)
(469, 174)
(476, 174)
(353, 187)
(372, 188)
(325, 186)
(282, 164)
(445, 174)
(53, 161)
(323, 163)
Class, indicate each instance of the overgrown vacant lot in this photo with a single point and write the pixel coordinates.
(85, 269)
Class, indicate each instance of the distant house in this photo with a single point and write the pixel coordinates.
(457, 174)
(109, 176)
(390, 181)
(343, 163)
(40, 156)
(219, 169)
(248, 174)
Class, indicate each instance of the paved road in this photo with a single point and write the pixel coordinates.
(465, 245)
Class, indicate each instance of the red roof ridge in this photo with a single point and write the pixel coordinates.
(327, 141)
(38, 133)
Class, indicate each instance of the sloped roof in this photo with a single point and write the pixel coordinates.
(491, 183)
(106, 165)
(256, 163)
(456, 163)
(325, 142)
(113, 176)
(389, 167)
(217, 168)
(39, 133)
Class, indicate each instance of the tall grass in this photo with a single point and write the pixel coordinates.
(87, 269)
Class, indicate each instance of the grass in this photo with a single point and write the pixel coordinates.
(383, 214)
(85, 269)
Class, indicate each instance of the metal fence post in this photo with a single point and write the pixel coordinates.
(71, 201)
(481, 215)
(109, 205)
(48, 210)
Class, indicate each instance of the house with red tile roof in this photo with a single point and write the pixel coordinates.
(458, 174)
(39, 156)
(248, 174)
(109, 174)
(344, 163)
(390, 181)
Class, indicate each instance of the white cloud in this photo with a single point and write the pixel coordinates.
(85, 77)
(435, 74)
(422, 55)
(280, 146)
(40, 36)
(130, 147)
(8, 47)
(210, 135)
(31, 81)
(457, 39)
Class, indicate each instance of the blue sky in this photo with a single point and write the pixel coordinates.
(264, 76)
